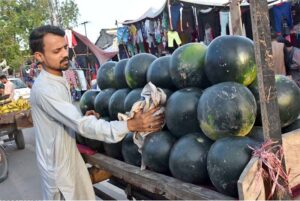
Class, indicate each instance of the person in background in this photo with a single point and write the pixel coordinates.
(9, 87)
(1, 89)
(278, 55)
(293, 61)
(63, 172)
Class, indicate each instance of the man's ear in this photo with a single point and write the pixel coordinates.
(39, 56)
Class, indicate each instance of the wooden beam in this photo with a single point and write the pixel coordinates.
(265, 69)
(235, 14)
(163, 185)
(265, 75)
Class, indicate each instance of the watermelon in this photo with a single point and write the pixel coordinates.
(256, 133)
(158, 73)
(95, 145)
(254, 89)
(102, 100)
(106, 75)
(116, 103)
(226, 109)
(120, 74)
(294, 126)
(156, 151)
(188, 158)
(132, 97)
(181, 111)
(113, 150)
(187, 65)
(86, 102)
(230, 58)
(226, 160)
(130, 151)
(288, 99)
(136, 69)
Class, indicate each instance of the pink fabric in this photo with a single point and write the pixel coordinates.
(85, 150)
(9, 89)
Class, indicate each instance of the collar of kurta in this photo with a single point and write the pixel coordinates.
(51, 76)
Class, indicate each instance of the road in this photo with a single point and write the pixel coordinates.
(23, 182)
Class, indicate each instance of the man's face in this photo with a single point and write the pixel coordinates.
(55, 55)
(3, 81)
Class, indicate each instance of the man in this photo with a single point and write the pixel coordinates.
(1, 89)
(278, 55)
(9, 87)
(63, 171)
(293, 61)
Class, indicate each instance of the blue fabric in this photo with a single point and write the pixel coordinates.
(282, 11)
(175, 15)
(123, 34)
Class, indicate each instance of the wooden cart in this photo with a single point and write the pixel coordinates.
(11, 124)
(150, 185)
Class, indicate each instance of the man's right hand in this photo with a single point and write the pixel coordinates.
(146, 122)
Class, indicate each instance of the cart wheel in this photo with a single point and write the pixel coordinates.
(19, 139)
(3, 165)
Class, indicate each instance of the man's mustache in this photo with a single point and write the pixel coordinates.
(64, 59)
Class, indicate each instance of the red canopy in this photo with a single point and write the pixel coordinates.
(101, 55)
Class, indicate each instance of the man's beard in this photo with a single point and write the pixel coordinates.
(66, 67)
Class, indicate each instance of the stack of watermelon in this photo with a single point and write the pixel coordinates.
(211, 111)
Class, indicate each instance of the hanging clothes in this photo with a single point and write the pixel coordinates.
(296, 12)
(209, 17)
(173, 35)
(282, 14)
(123, 34)
(224, 22)
(70, 38)
(187, 19)
(174, 16)
(246, 19)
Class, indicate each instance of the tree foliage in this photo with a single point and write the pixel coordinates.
(19, 17)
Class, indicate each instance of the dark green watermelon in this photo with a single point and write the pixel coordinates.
(226, 160)
(226, 109)
(230, 58)
(80, 139)
(113, 150)
(288, 97)
(136, 70)
(132, 97)
(294, 126)
(256, 133)
(254, 89)
(130, 151)
(181, 111)
(116, 103)
(106, 75)
(158, 73)
(156, 151)
(87, 100)
(188, 158)
(95, 145)
(102, 100)
(120, 74)
(187, 65)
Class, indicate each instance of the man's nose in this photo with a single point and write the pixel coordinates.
(65, 52)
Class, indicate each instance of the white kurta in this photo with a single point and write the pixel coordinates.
(55, 119)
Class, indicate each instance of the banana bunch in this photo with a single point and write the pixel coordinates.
(15, 106)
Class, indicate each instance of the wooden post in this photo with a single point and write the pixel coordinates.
(235, 14)
(265, 69)
(265, 73)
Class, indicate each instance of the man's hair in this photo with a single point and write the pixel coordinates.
(36, 42)
(3, 77)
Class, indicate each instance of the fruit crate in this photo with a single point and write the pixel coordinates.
(145, 183)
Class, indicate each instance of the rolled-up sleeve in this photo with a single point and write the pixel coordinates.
(88, 126)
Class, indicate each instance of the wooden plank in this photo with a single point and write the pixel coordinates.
(168, 187)
(24, 119)
(236, 20)
(250, 184)
(291, 148)
(265, 69)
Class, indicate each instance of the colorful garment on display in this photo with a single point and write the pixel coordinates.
(173, 35)
(123, 34)
(282, 14)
